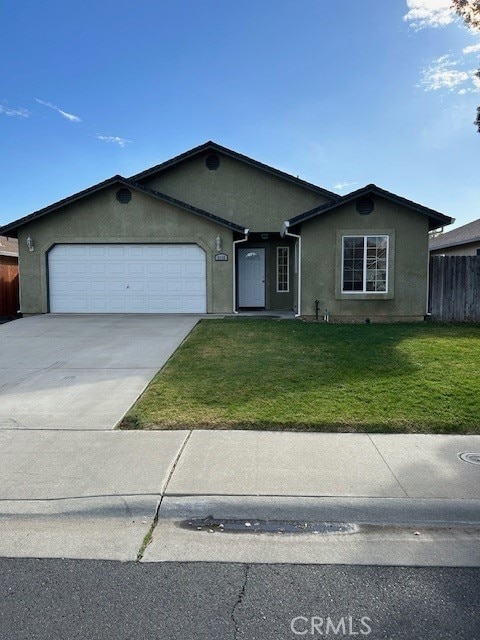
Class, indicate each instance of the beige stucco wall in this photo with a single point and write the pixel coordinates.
(462, 250)
(100, 218)
(237, 192)
(321, 266)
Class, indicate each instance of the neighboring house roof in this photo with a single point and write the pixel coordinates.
(8, 247)
(213, 146)
(462, 235)
(436, 218)
(13, 226)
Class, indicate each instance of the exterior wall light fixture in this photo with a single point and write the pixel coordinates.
(30, 245)
(218, 243)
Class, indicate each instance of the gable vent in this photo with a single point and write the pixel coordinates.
(365, 206)
(212, 162)
(124, 195)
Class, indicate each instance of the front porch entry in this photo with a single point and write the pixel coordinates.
(251, 277)
(266, 273)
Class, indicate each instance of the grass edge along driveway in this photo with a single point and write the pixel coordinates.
(288, 375)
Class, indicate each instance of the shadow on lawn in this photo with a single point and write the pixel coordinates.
(249, 363)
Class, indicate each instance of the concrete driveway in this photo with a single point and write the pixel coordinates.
(81, 371)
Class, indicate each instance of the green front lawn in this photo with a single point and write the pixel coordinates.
(271, 374)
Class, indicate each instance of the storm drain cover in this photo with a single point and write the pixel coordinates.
(213, 525)
(472, 458)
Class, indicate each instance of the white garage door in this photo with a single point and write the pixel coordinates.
(127, 278)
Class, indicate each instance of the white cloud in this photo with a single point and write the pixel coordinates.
(429, 13)
(473, 48)
(443, 73)
(344, 185)
(68, 116)
(115, 139)
(20, 112)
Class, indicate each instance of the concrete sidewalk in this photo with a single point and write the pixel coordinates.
(409, 499)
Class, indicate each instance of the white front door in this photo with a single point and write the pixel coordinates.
(251, 277)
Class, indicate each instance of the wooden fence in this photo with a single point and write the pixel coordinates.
(454, 294)
(9, 291)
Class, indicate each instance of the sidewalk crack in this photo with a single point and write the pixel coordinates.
(149, 535)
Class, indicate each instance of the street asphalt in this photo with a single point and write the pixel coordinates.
(67, 599)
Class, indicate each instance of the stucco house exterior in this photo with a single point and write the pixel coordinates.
(462, 241)
(213, 231)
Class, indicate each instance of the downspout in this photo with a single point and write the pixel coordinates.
(235, 242)
(284, 232)
(429, 259)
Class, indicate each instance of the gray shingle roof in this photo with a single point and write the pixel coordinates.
(8, 246)
(462, 235)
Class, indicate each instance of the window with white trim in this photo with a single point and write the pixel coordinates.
(365, 264)
(283, 256)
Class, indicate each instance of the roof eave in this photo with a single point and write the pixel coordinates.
(14, 226)
(434, 216)
(454, 244)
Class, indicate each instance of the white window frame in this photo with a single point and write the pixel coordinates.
(287, 290)
(365, 238)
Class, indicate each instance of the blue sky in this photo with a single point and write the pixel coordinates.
(341, 94)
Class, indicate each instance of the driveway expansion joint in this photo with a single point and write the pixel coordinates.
(388, 466)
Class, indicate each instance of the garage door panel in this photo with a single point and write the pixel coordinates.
(115, 288)
(127, 279)
(79, 304)
(117, 251)
(98, 287)
(138, 288)
(98, 269)
(97, 251)
(135, 268)
(99, 303)
(137, 252)
(155, 269)
(116, 268)
(79, 287)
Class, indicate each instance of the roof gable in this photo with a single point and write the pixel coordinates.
(436, 219)
(12, 227)
(213, 146)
